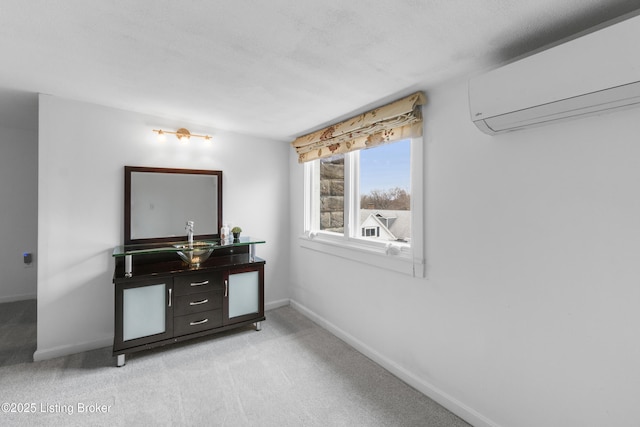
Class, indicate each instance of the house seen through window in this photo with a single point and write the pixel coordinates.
(377, 183)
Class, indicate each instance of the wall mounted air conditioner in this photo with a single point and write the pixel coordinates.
(595, 73)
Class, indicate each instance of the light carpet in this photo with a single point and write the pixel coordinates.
(292, 373)
(17, 332)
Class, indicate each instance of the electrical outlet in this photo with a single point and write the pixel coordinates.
(27, 258)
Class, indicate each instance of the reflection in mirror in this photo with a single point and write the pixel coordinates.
(159, 202)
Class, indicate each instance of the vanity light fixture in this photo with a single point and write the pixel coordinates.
(182, 134)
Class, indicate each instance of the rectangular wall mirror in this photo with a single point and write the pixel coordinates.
(159, 202)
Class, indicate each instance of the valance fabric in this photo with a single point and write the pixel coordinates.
(398, 120)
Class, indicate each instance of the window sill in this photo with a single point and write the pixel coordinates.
(389, 257)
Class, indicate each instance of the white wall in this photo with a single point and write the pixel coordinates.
(83, 149)
(529, 314)
(18, 211)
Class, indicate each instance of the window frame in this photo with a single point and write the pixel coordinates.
(396, 256)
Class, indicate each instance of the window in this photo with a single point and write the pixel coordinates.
(368, 203)
(380, 196)
(371, 231)
(363, 187)
(331, 194)
(384, 197)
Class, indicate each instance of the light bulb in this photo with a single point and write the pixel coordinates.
(162, 137)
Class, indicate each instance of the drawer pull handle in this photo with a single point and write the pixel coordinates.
(226, 288)
(204, 301)
(170, 297)
(206, 282)
(199, 322)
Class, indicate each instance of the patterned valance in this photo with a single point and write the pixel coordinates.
(392, 122)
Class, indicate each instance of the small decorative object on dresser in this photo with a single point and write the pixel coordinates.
(236, 232)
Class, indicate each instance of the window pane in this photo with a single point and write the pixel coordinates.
(385, 193)
(332, 194)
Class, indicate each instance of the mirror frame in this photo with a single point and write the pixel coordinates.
(128, 170)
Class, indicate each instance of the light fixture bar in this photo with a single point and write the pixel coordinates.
(182, 134)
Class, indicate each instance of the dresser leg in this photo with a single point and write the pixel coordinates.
(258, 326)
(120, 360)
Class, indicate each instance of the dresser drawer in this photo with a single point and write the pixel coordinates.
(195, 303)
(196, 322)
(196, 283)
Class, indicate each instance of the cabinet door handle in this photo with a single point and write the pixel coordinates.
(204, 301)
(226, 288)
(170, 297)
(206, 282)
(199, 322)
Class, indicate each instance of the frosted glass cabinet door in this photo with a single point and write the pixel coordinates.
(244, 293)
(144, 311)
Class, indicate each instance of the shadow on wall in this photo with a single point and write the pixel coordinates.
(541, 38)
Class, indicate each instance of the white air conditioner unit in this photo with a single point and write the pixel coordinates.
(595, 73)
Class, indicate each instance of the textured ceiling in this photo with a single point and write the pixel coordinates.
(274, 68)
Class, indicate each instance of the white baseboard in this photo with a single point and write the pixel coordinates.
(272, 305)
(65, 350)
(444, 399)
(14, 298)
